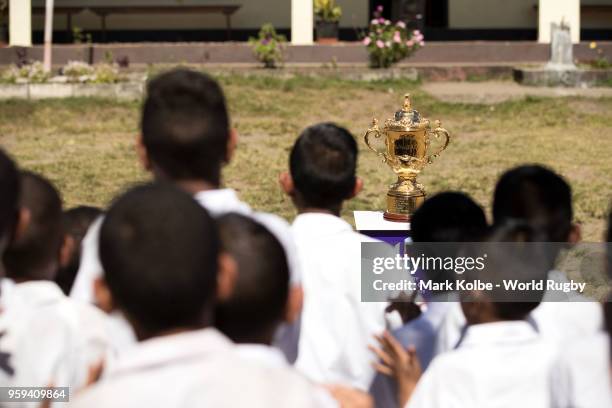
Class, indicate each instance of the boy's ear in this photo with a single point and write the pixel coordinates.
(232, 142)
(286, 182)
(575, 234)
(66, 251)
(295, 301)
(358, 187)
(226, 277)
(143, 155)
(102, 296)
(24, 217)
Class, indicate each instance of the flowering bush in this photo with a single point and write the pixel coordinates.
(268, 46)
(33, 73)
(389, 43)
(77, 71)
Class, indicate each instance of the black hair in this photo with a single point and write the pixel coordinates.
(448, 217)
(440, 226)
(536, 195)
(185, 125)
(29, 256)
(77, 221)
(323, 163)
(515, 251)
(9, 195)
(259, 300)
(159, 250)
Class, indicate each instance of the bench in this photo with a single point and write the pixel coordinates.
(105, 11)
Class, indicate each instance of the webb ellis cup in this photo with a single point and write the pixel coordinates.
(410, 145)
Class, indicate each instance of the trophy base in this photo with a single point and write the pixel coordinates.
(400, 207)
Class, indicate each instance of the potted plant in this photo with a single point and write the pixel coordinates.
(3, 25)
(388, 43)
(268, 46)
(328, 15)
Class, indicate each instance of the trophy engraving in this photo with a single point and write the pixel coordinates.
(408, 138)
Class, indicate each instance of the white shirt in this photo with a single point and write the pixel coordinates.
(217, 202)
(336, 326)
(557, 321)
(48, 338)
(583, 379)
(194, 369)
(272, 357)
(502, 364)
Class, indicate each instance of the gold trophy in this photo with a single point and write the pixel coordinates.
(408, 141)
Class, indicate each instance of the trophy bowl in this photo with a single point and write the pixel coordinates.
(408, 149)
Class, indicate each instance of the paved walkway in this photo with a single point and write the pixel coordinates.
(496, 92)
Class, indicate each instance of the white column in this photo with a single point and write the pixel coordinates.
(301, 22)
(20, 23)
(48, 35)
(553, 11)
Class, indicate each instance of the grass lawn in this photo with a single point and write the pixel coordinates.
(86, 146)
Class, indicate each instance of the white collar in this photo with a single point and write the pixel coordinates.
(39, 293)
(320, 224)
(221, 201)
(163, 350)
(506, 332)
(260, 353)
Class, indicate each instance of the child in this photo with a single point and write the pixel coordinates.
(447, 217)
(76, 223)
(502, 361)
(186, 139)
(336, 325)
(46, 337)
(543, 199)
(9, 210)
(164, 270)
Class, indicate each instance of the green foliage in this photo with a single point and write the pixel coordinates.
(268, 46)
(389, 43)
(33, 73)
(327, 10)
(81, 72)
(80, 37)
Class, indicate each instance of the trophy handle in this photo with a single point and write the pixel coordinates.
(377, 133)
(437, 133)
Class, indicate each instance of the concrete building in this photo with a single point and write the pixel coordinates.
(445, 20)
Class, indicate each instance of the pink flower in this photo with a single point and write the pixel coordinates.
(401, 24)
(379, 9)
(381, 20)
(380, 44)
(397, 37)
(387, 22)
(367, 41)
(419, 38)
(422, 43)
(410, 43)
(374, 22)
(416, 32)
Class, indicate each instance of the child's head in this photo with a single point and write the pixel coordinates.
(258, 303)
(40, 249)
(76, 223)
(323, 165)
(538, 196)
(514, 252)
(448, 217)
(185, 128)
(160, 253)
(9, 195)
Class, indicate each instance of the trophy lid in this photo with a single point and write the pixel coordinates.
(406, 118)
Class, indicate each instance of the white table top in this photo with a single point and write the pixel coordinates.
(374, 221)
